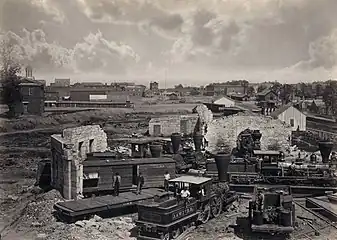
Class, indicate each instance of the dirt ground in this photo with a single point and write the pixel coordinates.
(26, 211)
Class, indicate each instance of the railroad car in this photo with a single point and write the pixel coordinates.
(272, 212)
(170, 218)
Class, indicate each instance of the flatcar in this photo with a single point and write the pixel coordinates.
(272, 212)
(170, 218)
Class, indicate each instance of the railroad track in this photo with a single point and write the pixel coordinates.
(313, 229)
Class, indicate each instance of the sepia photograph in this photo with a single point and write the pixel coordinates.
(168, 119)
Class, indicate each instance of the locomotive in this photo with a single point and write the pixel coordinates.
(271, 211)
(168, 219)
(251, 165)
(301, 172)
(186, 157)
(247, 141)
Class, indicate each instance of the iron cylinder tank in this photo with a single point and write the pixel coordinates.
(197, 139)
(176, 141)
(325, 148)
(286, 218)
(222, 161)
(156, 150)
(257, 217)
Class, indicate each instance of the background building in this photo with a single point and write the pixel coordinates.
(291, 116)
(32, 96)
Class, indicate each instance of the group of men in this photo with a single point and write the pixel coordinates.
(117, 180)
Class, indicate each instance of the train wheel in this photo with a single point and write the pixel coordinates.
(165, 236)
(205, 214)
(175, 233)
(216, 206)
(185, 227)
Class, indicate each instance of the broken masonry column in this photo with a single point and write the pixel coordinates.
(76, 143)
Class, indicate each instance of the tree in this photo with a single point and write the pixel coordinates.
(286, 93)
(179, 86)
(318, 90)
(250, 91)
(330, 98)
(195, 92)
(261, 88)
(10, 79)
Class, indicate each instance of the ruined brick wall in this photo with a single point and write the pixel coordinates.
(205, 116)
(172, 124)
(69, 151)
(225, 130)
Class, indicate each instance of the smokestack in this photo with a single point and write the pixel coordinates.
(155, 150)
(176, 141)
(222, 161)
(325, 147)
(197, 139)
(256, 135)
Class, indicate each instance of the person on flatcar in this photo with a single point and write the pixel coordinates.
(166, 181)
(117, 183)
(260, 201)
(292, 169)
(140, 183)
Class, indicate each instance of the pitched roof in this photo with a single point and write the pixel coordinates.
(281, 109)
(265, 92)
(220, 100)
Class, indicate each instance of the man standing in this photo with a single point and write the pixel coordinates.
(140, 183)
(260, 201)
(167, 177)
(116, 183)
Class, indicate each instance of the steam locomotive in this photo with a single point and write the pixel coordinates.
(169, 218)
(249, 165)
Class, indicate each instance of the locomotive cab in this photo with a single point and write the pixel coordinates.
(199, 187)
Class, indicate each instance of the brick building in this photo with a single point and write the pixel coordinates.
(61, 82)
(215, 89)
(32, 96)
(154, 86)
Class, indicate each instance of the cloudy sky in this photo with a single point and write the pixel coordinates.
(188, 41)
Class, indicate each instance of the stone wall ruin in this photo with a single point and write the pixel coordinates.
(69, 150)
(224, 131)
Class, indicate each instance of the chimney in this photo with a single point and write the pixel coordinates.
(29, 72)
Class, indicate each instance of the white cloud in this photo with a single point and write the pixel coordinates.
(226, 37)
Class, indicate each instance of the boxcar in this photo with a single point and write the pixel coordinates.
(98, 173)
